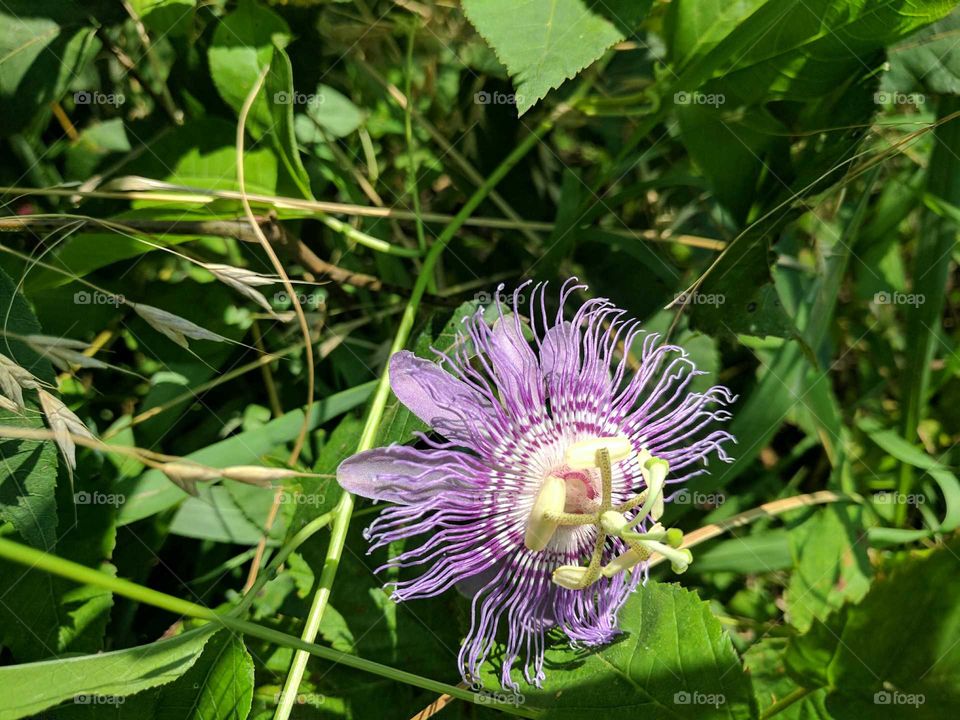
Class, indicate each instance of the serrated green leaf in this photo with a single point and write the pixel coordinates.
(219, 686)
(831, 564)
(928, 62)
(545, 42)
(674, 660)
(897, 653)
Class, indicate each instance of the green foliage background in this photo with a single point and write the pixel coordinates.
(774, 183)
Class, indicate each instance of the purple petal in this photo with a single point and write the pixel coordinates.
(405, 475)
(446, 404)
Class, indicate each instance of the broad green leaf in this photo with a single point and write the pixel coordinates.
(44, 46)
(542, 43)
(764, 662)
(804, 50)
(219, 686)
(229, 513)
(243, 44)
(897, 653)
(765, 552)
(34, 687)
(334, 112)
(731, 151)
(29, 477)
(674, 660)
(738, 295)
(166, 17)
(928, 62)
(43, 615)
(152, 492)
(279, 82)
(831, 564)
(694, 27)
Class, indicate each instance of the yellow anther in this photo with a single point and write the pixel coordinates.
(570, 577)
(625, 561)
(582, 455)
(542, 523)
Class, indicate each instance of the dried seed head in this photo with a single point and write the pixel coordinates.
(13, 379)
(173, 326)
(243, 281)
(64, 424)
(63, 352)
(187, 475)
(9, 405)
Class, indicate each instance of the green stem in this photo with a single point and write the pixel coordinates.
(344, 509)
(930, 274)
(361, 238)
(38, 560)
(786, 701)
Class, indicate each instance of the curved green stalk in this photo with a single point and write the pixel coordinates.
(38, 560)
(344, 509)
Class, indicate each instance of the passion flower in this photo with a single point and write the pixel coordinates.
(539, 492)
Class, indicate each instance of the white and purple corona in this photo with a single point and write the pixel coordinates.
(540, 492)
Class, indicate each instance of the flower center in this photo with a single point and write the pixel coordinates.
(583, 489)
